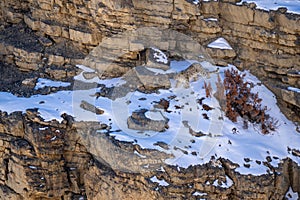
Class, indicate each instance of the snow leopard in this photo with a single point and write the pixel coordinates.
(192, 73)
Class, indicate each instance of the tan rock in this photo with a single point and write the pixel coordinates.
(8, 193)
(3, 49)
(210, 27)
(211, 8)
(50, 29)
(56, 60)
(263, 18)
(236, 14)
(291, 97)
(221, 53)
(84, 37)
(288, 23)
(13, 17)
(150, 80)
(57, 74)
(30, 82)
(24, 66)
(34, 25)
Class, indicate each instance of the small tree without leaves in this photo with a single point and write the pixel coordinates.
(240, 101)
(208, 89)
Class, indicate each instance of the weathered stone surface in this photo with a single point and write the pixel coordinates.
(263, 18)
(237, 14)
(150, 80)
(291, 97)
(288, 23)
(89, 107)
(12, 124)
(49, 28)
(73, 159)
(30, 82)
(205, 26)
(267, 43)
(221, 53)
(84, 37)
(138, 121)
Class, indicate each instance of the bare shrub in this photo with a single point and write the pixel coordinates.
(240, 101)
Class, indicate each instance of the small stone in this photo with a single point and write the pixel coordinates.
(103, 126)
(296, 152)
(162, 104)
(206, 107)
(29, 82)
(162, 145)
(258, 162)
(247, 165)
(89, 107)
(269, 159)
(138, 121)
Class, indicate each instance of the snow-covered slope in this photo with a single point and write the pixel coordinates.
(221, 137)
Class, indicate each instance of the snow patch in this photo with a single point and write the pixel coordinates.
(53, 138)
(162, 182)
(199, 193)
(294, 89)
(54, 104)
(138, 154)
(154, 115)
(227, 184)
(220, 43)
(291, 195)
(195, 2)
(85, 69)
(293, 6)
(42, 82)
(210, 19)
(160, 56)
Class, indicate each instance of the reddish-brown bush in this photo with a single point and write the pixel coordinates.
(208, 89)
(240, 101)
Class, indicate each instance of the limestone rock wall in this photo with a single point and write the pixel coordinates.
(41, 34)
(52, 160)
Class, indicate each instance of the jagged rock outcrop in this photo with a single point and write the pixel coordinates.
(63, 160)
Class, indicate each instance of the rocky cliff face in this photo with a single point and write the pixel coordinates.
(49, 160)
(56, 34)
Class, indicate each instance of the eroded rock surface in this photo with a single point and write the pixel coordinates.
(52, 160)
(70, 160)
(51, 37)
(138, 121)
